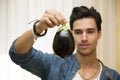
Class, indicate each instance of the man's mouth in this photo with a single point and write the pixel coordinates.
(84, 46)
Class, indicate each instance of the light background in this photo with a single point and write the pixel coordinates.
(16, 14)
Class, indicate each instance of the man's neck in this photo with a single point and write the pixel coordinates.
(89, 66)
(87, 61)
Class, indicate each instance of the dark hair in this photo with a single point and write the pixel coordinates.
(84, 12)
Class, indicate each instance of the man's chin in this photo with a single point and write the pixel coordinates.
(85, 53)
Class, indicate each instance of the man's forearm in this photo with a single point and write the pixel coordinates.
(25, 42)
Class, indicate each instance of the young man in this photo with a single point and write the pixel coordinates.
(85, 25)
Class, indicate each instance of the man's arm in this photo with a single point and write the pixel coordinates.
(50, 19)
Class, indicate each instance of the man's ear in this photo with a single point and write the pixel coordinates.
(99, 34)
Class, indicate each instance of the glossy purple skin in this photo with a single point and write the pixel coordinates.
(63, 44)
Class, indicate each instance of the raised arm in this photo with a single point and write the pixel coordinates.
(49, 19)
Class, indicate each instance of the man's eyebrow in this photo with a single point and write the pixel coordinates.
(77, 30)
(91, 29)
(87, 29)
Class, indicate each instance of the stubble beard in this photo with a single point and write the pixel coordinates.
(82, 53)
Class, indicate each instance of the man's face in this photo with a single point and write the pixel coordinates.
(85, 35)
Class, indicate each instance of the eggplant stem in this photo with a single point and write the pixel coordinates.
(63, 27)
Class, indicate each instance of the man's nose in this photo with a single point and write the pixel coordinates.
(84, 36)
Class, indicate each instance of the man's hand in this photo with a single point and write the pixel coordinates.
(50, 19)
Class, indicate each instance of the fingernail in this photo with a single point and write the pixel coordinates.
(65, 21)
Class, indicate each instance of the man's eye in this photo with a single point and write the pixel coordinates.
(91, 31)
(78, 32)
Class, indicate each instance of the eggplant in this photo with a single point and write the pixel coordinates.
(63, 43)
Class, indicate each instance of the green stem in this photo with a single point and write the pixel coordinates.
(63, 27)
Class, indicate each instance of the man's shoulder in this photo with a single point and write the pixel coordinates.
(113, 73)
(111, 70)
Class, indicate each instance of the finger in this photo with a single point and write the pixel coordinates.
(59, 17)
(52, 18)
(48, 22)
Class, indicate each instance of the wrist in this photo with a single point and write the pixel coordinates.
(37, 32)
(37, 27)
